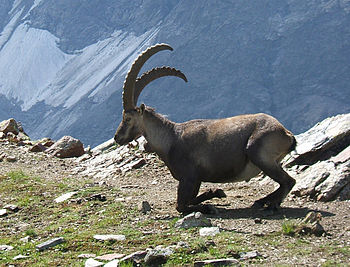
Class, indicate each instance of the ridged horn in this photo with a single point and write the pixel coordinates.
(152, 75)
(130, 79)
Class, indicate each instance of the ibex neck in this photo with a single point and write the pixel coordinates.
(159, 132)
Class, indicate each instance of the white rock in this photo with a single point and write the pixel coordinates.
(113, 263)
(92, 263)
(20, 257)
(209, 231)
(110, 237)
(25, 239)
(5, 248)
(65, 197)
(3, 212)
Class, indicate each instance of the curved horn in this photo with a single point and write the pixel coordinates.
(130, 79)
(152, 75)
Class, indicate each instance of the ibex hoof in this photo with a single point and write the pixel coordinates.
(209, 209)
(272, 210)
(267, 208)
(220, 193)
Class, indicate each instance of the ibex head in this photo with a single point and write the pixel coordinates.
(131, 126)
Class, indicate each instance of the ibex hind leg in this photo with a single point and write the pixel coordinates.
(268, 162)
(274, 200)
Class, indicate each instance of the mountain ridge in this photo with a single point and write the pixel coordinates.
(284, 58)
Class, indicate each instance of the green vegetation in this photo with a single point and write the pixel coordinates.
(81, 217)
(288, 227)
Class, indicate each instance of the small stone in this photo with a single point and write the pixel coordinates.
(3, 212)
(182, 244)
(209, 231)
(217, 262)
(133, 165)
(65, 197)
(20, 257)
(195, 219)
(11, 159)
(50, 243)
(209, 243)
(317, 229)
(110, 237)
(258, 220)
(144, 207)
(25, 239)
(113, 263)
(12, 207)
(158, 255)
(110, 257)
(37, 148)
(86, 256)
(98, 197)
(249, 255)
(92, 263)
(5, 248)
(47, 142)
(135, 257)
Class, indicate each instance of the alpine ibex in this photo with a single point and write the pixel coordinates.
(218, 150)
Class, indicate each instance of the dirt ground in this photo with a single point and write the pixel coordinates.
(153, 183)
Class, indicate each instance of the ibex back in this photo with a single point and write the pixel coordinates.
(218, 151)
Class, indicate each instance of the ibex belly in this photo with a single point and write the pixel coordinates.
(227, 174)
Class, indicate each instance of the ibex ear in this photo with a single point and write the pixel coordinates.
(141, 109)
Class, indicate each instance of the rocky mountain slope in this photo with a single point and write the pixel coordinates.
(62, 63)
(117, 204)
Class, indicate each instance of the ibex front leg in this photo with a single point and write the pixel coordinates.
(188, 201)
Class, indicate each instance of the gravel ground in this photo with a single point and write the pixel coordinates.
(154, 184)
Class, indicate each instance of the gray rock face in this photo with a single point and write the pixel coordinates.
(321, 163)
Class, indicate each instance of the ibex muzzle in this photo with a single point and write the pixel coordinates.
(218, 151)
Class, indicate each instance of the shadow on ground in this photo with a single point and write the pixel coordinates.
(250, 213)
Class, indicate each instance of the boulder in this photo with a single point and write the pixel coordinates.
(37, 148)
(12, 130)
(67, 147)
(9, 126)
(321, 162)
(326, 139)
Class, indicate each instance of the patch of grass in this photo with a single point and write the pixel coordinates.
(288, 227)
(30, 232)
(17, 176)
